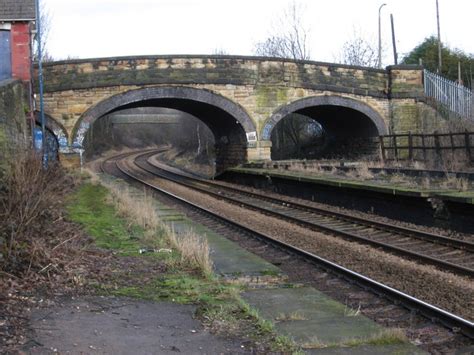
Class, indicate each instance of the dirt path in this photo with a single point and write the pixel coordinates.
(110, 325)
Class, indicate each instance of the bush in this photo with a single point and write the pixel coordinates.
(33, 235)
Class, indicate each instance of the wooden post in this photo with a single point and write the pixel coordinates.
(423, 147)
(410, 146)
(451, 140)
(437, 147)
(467, 143)
(382, 149)
(394, 43)
(395, 146)
(459, 73)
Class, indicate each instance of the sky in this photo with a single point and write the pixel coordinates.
(106, 28)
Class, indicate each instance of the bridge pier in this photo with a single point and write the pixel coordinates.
(259, 150)
(69, 160)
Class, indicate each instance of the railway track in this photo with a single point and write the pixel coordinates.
(133, 169)
(448, 254)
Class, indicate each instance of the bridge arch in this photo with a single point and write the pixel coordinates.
(56, 129)
(346, 121)
(315, 101)
(161, 93)
(228, 121)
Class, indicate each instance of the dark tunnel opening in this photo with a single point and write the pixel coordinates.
(324, 132)
(210, 135)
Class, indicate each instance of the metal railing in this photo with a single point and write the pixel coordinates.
(455, 97)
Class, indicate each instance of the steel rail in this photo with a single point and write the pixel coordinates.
(410, 232)
(442, 264)
(435, 314)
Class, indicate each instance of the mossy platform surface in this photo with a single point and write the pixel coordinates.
(318, 322)
(391, 189)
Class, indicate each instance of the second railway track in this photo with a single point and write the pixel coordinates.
(449, 254)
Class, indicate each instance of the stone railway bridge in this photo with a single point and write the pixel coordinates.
(240, 99)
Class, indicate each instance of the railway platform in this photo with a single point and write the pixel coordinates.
(433, 207)
(318, 323)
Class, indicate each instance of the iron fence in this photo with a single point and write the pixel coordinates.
(454, 96)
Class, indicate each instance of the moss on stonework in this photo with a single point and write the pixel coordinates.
(270, 96)
(406, 88)
(3, 136)
(406, 118)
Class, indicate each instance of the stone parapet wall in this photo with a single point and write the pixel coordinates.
(82, 74)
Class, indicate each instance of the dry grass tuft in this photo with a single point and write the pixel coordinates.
(418, 165)
(194, 249)
(425, 183)
(384, 337)
(293, 316)
(452, 182)
(363, 171)
(140, 212)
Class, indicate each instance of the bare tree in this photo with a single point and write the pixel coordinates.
(291, 38)
(219, 51)
(45, 22)
(359, 51)
(288, 40)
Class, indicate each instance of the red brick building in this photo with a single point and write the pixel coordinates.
(17, 25)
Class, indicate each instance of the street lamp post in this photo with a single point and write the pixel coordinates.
(40, 77)
(380, 37)
(440, 61)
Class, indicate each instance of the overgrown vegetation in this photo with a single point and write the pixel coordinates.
(40, 251)
(362, 171)
(35, 240)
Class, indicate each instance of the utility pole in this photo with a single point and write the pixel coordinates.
(459, 73)
(440, 61)
(394, 43)
(380, 38)
(40, 79)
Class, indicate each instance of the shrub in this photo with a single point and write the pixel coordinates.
(33, 234)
